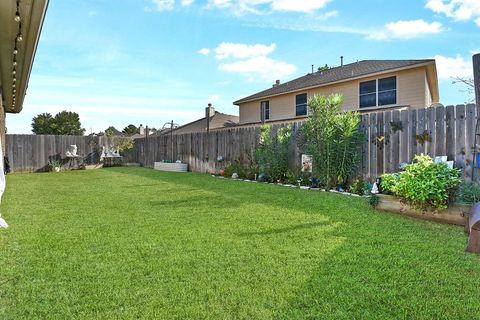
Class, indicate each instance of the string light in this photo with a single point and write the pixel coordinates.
(17, 16)
(19, 37)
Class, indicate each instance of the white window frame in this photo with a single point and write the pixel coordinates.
(263, 111)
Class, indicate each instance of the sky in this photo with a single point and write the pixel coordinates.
(120, 62)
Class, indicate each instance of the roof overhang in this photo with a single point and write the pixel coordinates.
(13, 87)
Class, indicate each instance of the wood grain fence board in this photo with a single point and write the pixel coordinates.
(388, 142)
(373, 148)
(460, 151)
(395, 145)
(421, 130)
(430, 119)
(450, 132)
(470, 118)
(412, 132)
(404, 141)
(380, 143)
(439, 131)
(365, 152)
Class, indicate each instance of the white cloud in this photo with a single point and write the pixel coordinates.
(164, 5)
(186, 3)
(298, 6)
(227, 50)
(240, 7)
(204, 51)
(448, 67)
(406, 29)
(459, 10)
(252, 61)
(260, 68)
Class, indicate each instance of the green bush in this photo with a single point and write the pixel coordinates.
(235, 167)
(332, 138)
(273, 152)
(468, 193)
(388, 182)
(359, 186)
(425, 184)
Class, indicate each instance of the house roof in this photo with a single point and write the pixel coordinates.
(18, 43)
(336, 74)
(217, 121)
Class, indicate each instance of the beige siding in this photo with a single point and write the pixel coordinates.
(412, 90)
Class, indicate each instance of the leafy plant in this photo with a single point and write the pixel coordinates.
(124, 144)
(359, 186)
(235, 167)
(424, 137)
(468, 192)
(374, 200)
(425, 184)
(273, 152)
(388, 182)
(332, 138)
(54, 163)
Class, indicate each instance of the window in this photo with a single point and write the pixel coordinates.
(379, 92)
(368, 94)
(301, 105)
(264, 111)
(387, 91)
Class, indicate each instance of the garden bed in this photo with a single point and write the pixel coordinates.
(455, 214)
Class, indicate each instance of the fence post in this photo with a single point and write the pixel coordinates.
(476, 77)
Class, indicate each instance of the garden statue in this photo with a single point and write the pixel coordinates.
(71, 151)
(374, 188)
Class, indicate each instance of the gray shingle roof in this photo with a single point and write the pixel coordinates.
(346, 72)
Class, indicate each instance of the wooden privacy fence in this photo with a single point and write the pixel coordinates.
(33, 152)
(392, 137)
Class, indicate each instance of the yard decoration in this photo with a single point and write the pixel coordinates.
(424, 137)
(332, 138)
(396, 126)
(55, 165)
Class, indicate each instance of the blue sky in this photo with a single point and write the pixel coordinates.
(117, 62)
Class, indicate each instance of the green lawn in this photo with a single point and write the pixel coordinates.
(138, 243)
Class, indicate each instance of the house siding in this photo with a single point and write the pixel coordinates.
(412, 90)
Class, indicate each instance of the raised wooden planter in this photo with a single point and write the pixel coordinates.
(175, 167)
(455, 214)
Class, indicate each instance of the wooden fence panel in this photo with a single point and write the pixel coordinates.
(451, 131)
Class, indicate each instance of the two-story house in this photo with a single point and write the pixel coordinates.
(366, 85)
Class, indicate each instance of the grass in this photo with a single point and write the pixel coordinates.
(137, 243)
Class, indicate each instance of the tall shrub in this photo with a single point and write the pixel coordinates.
(272, 152)
(332, 138)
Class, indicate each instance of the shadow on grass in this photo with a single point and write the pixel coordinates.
(284, 230)
(386, 267)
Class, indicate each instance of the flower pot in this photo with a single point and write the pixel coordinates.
(478, 159)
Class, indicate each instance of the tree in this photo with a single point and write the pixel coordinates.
(130, 129)
(332, 138)
(43, 123)
(68, 123)
(468, 82)
(111, 131)
(324, 68)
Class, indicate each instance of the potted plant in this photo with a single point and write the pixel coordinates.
(54, 165)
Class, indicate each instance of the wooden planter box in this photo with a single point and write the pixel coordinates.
(174, 167)
(455, 214)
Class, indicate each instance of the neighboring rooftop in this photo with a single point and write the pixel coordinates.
(217, 120)
(336, 74)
